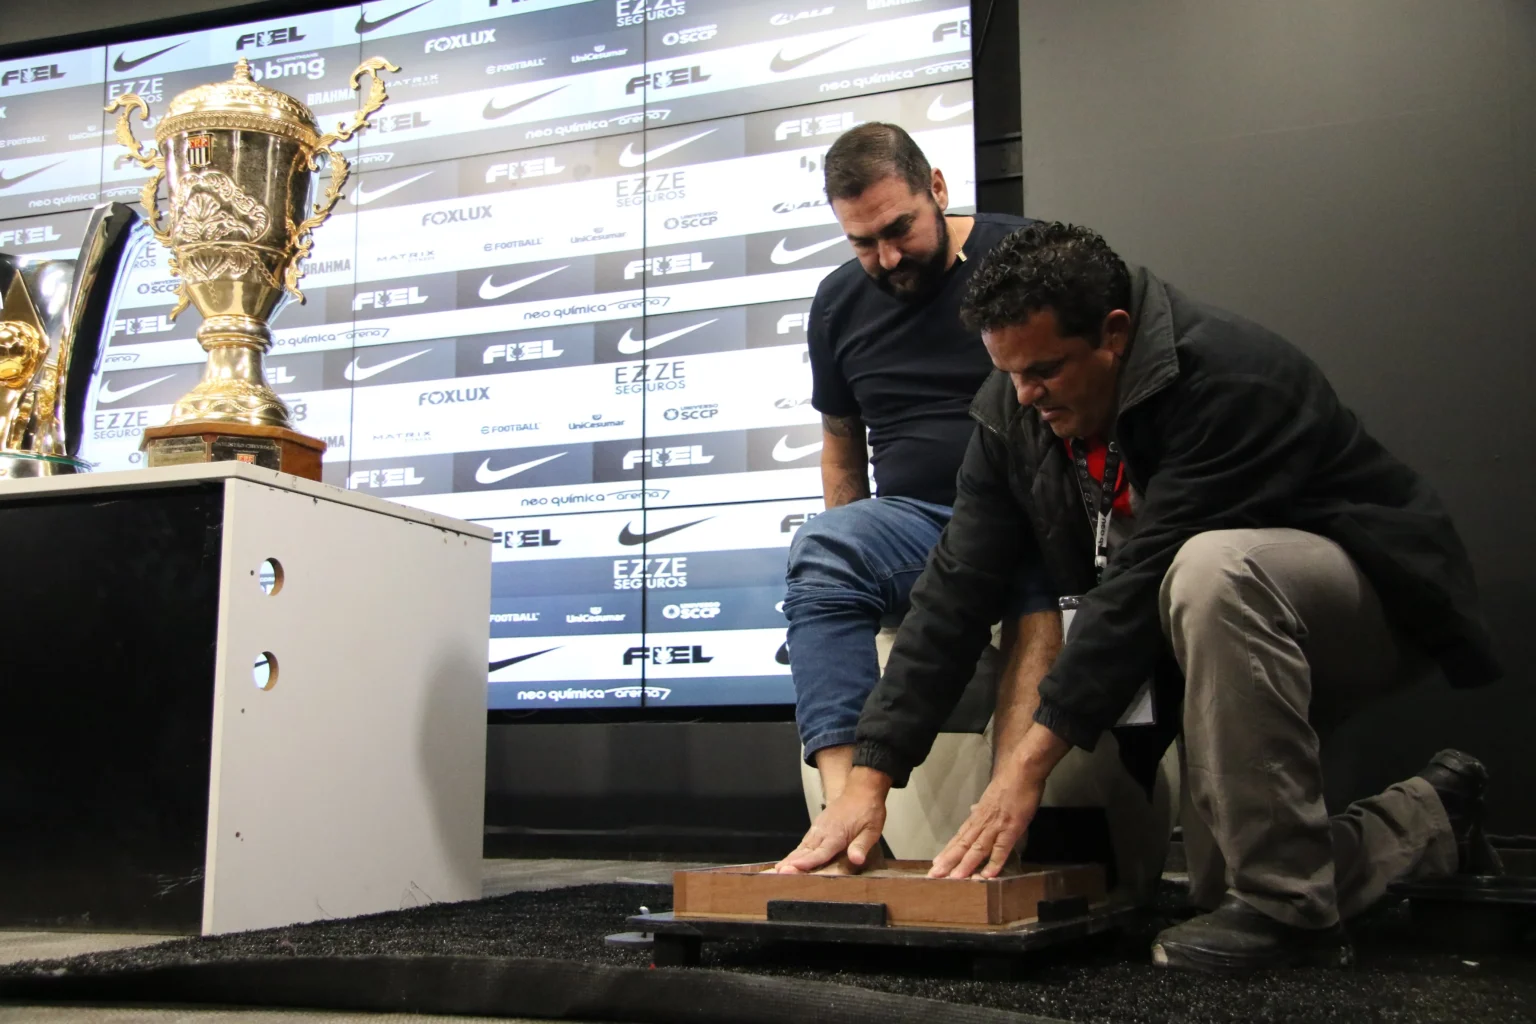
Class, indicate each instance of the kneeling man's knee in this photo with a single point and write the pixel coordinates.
(1199, 582)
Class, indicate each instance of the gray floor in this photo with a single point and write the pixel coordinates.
(500, 877)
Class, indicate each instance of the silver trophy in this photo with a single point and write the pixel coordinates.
(53, 315)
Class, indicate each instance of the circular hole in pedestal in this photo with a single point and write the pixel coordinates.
(269, 576)
(264, 671)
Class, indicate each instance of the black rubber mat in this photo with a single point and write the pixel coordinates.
(551, 938)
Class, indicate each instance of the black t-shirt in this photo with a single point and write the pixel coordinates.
(907, 369)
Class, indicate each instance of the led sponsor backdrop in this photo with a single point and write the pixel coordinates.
(567, 297)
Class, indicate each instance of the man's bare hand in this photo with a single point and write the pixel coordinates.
(852, 822)
(997, 824)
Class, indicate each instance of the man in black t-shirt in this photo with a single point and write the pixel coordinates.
(894, 373)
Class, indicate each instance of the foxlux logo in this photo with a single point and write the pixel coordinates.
(442, 44)
(539, 538)
(24, 76)
(462, 215)
(692, 610)
(455, 395)
(388, 299)
(663, 266)
(403, 476)
(685, 455)
(810, 127)
(270, 37)
(519, 351)
(681, 655)
(638, 12)
(667, 572)
(666, 79)
(28, 236)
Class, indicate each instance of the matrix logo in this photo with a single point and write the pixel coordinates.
(454, 396)
(638, 12)
(810, 127)
(270, 37)
(793, 522)
(692, 610)
(794, 322)
(531, 538)
(663, 573)
(517, 170)
(664, 266)
(376, 479)
(391, 298)
(663, 458)
(666, 79)
(28, 236)
(682, 655)
(442, 44)
(40, 73)
(521, 351)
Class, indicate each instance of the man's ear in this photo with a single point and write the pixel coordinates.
(1115, 333)
(939, 189)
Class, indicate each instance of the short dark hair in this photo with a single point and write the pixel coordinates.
(1062, 267)
(862, 156)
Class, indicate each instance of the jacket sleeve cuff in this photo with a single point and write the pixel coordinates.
(1074, 729)
(882, 758)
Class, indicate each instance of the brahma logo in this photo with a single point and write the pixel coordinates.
(666, 572)
(661, 458)
(810, 127)
(521, 351)
(375, 479)
(442, 44)
(692, 610)
(664, 266)
(638, 12)
(681, 655)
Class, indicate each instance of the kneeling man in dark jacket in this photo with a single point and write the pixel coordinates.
(1240, 543)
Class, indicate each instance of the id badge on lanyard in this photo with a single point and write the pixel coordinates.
(1140, 711)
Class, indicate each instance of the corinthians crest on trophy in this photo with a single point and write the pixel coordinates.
(239, 159)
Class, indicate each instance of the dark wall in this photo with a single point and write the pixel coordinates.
(1358, 175)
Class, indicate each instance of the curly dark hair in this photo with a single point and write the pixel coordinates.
(1063, 267)
(862, 156)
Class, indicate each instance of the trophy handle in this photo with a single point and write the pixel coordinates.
(340, 169)
(149, 195)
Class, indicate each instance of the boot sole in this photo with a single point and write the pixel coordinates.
(1189, 958)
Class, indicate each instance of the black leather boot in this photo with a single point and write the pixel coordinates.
(1460, 780)
(1235, 938)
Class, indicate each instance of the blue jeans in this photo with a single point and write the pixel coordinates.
(851, 569)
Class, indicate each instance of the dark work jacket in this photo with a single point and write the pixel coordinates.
(1222, 425)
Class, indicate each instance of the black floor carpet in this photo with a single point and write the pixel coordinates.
(1398, 978)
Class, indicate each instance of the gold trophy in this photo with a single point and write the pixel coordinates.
(239, 159)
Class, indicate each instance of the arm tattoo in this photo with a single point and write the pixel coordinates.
(841, 426)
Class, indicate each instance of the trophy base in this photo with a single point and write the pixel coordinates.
(287, 451)
(25, 466)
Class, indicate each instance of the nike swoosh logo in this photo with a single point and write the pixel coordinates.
(630, 346)
(490, 292)
(937, 111)
(630, 539)
(780, 63)
(486, 475)
(128, 65)
(504, 662)
(355, 372)
(364, 25)
(106, 396)
(7, 182)
(492, 111)
(782, 657)
(782, 255)
(362, 197)
(786, 452)
(629, 158)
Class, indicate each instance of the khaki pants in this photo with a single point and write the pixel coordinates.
(1281, 637)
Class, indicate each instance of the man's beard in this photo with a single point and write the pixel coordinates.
(918, 278)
